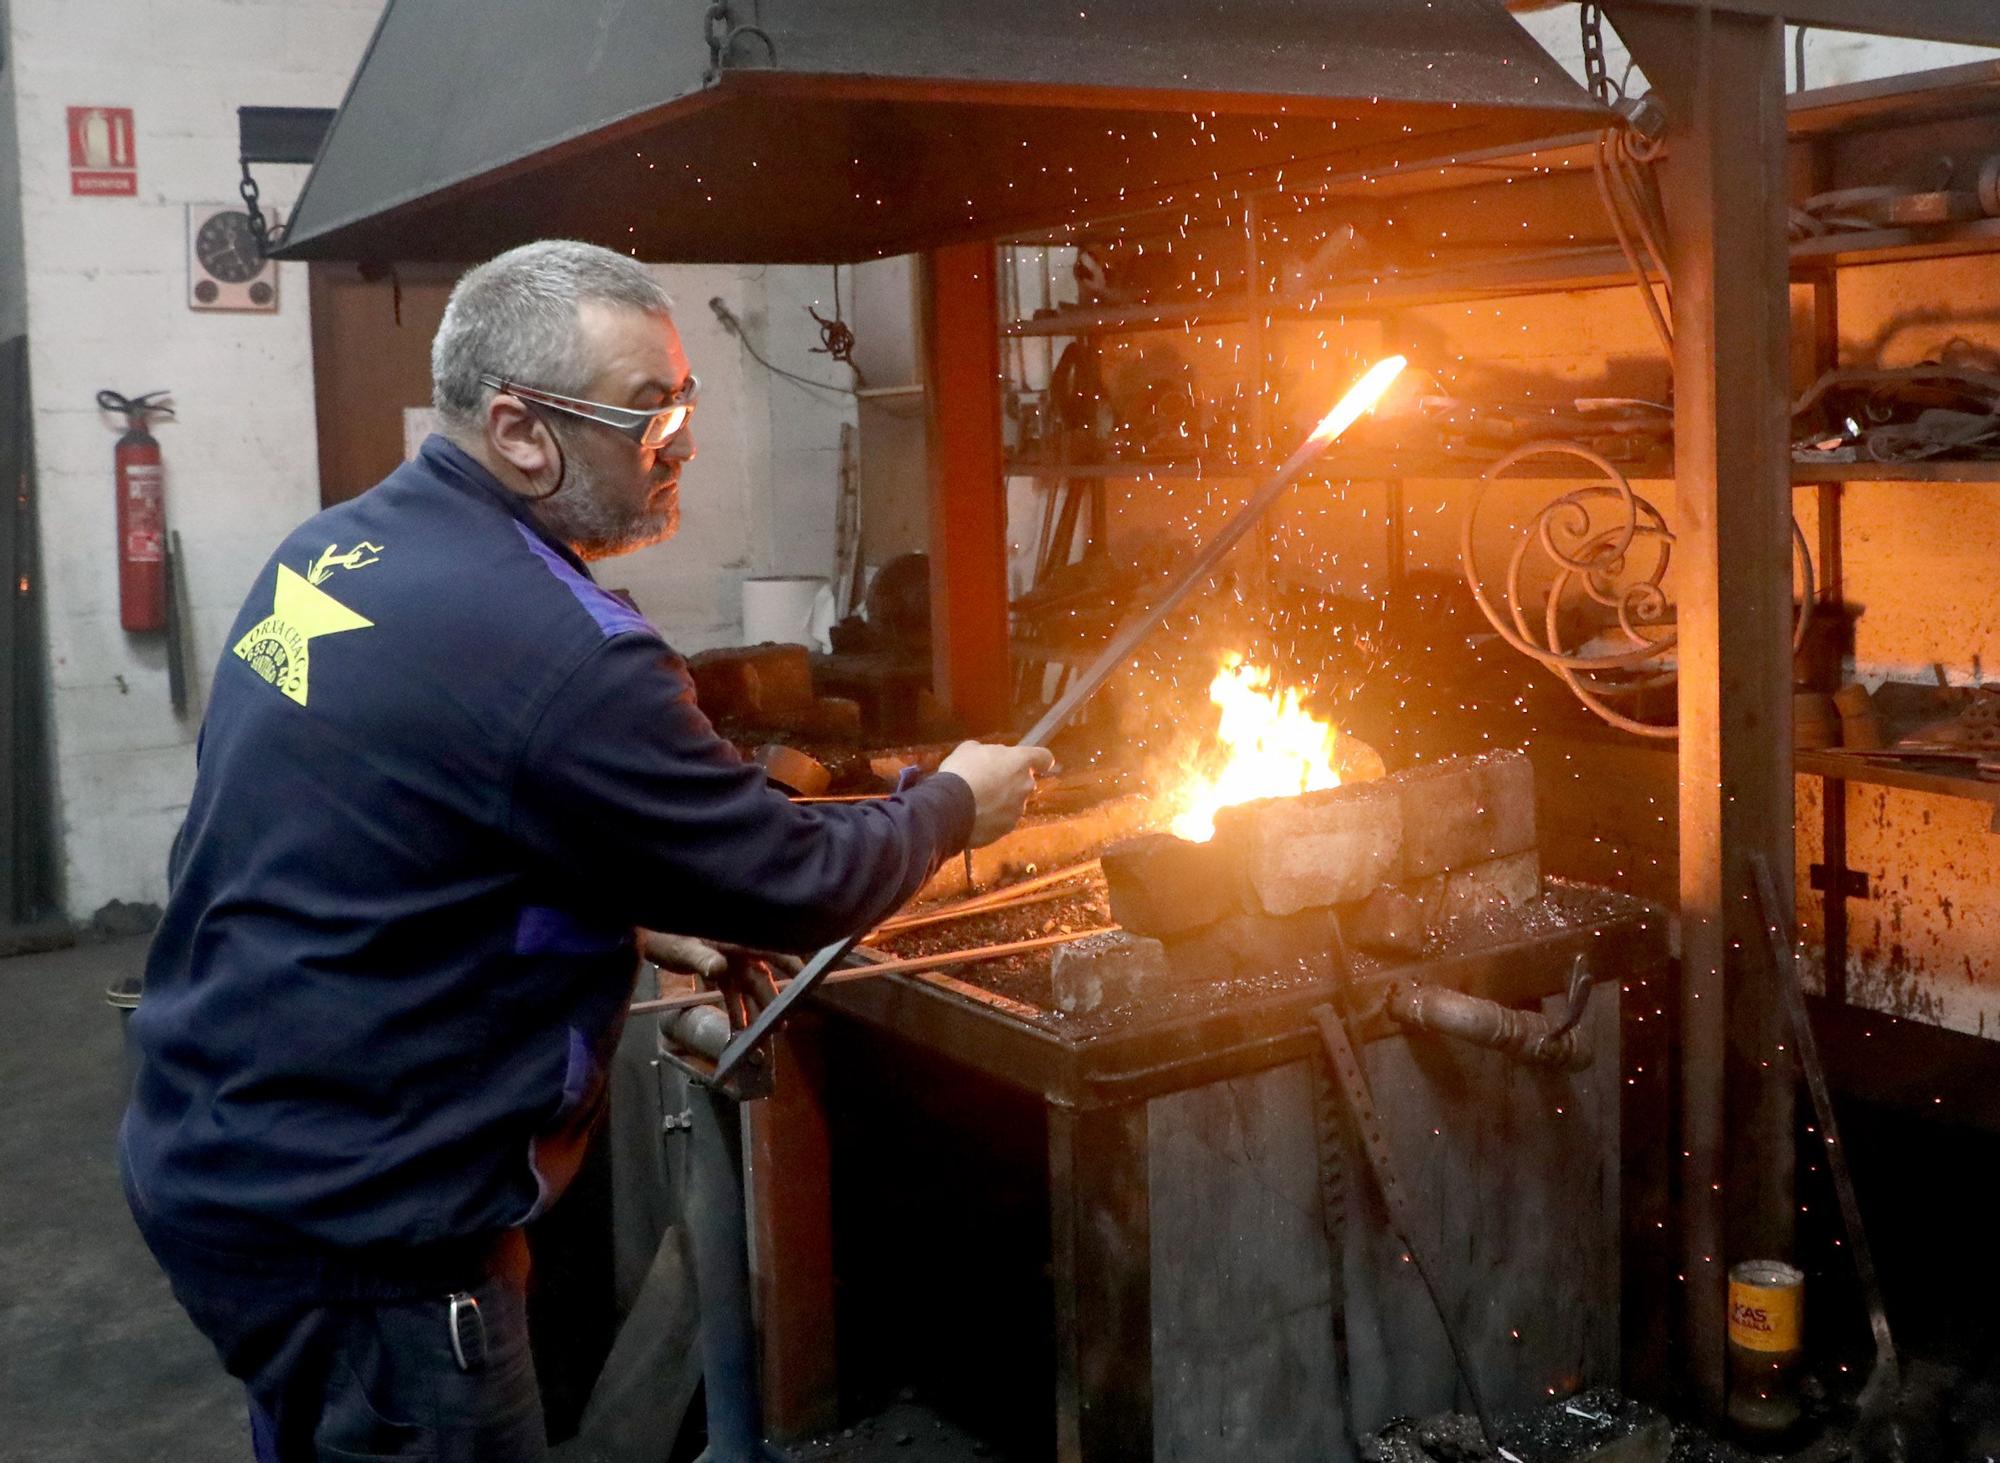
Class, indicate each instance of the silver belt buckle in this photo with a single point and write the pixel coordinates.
(467, 1325)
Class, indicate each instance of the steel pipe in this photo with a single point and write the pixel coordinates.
(1526, 1036)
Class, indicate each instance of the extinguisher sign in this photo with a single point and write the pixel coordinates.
(101, 161)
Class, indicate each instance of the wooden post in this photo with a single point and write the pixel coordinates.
(791, 1218)
(968, 539)
(1723, 184)
(1832, 579)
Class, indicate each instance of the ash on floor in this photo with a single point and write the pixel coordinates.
(906, 1431)
(1598, 1426)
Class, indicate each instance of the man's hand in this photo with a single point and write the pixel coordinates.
(677, 955)
(1001, 779)
(743, 976)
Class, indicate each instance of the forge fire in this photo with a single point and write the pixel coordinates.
(1266, 745)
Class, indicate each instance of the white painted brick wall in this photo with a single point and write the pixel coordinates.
(105, 305)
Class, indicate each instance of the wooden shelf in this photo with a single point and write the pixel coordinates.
(1943, 779)
(1339, 466)
(1121, 471)
(1570, 270)
(1443, 467)
(1940, 779)
(1895, 246)
(1231, 310)
(1807, 473)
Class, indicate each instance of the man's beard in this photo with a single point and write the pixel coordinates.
(592, 519)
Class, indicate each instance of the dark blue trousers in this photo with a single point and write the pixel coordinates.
(351, 1357)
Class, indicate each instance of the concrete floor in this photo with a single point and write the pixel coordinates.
(100, 1364)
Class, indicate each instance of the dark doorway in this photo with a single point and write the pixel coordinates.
(371, 346)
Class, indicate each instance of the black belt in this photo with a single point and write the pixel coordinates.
(329, 1275)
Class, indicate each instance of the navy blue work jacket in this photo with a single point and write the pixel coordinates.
(442, 777)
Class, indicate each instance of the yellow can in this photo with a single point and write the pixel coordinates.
(1766, 1302)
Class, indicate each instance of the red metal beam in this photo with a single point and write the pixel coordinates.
(969, 648)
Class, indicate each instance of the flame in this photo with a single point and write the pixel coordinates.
(1271, 747)
(1360, 399)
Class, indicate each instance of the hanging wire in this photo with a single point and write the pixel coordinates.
(836, 336)
(735, 327)
(1622, 187)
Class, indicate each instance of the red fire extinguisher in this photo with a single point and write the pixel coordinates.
(142, 512)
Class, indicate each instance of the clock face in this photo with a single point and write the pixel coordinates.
(227, 249)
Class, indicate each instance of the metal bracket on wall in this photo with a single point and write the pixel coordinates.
(281, 134)
(275, 135)
(1853, 882)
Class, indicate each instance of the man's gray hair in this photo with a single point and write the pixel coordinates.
(516, 316)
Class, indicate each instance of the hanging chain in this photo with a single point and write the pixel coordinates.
(261, 229)
(1596, 74)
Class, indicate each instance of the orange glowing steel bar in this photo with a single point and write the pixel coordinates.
(1360, 398)
(1359, 401)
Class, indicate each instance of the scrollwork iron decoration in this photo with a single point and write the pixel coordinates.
(1620, 567)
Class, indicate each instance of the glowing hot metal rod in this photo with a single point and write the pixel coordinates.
(1360, 399)
(1351, 408)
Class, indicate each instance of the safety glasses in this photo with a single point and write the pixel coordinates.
(648, 427)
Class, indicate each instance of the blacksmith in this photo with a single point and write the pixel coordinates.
(444, 783)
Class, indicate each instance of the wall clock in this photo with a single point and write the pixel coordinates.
(226, 268)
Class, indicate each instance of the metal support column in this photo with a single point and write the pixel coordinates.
(1723, 184)
(968, 533)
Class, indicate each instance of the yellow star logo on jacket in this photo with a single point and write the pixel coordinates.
(279, 646)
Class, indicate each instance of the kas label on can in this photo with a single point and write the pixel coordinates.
(1766, 1298)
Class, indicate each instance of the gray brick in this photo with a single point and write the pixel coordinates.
(1163, 885)
(1465, 810)
(1394, 920)
(1246, 946)
(1105, 970)
(1499, 883)
(1319, 849)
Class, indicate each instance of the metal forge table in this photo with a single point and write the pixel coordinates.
(1212, 1254)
